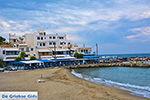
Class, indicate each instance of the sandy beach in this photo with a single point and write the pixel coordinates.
(60, 85)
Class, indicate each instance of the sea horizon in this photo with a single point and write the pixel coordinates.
(121, 53)
(128, 55)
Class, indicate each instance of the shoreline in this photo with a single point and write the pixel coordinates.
(112, 84)
(60, 84)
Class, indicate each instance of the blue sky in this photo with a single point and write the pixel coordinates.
(118, 26)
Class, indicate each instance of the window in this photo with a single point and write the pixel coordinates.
(50, 43)
(54, 37)
(45, 38)
(40, 44)
(22, 49)
(50, 37)
(17, 45)
(61, 37)
(4, 52)
(31, 49)
(15, 40)
(44, 33)
(68, 42)
(41, 38)
(54, 43)
(43, 44)
(61, 43)
(38, 38)
(27, 49)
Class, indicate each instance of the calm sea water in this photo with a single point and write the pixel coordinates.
(128, 55)
(136, 80)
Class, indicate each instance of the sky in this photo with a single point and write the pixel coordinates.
(117, 26)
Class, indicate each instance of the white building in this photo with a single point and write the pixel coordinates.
(46, 46)
(42, 45)
(9, 54)
(84, 50)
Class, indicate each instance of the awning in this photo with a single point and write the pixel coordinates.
(11, 49)
(27, 62)
(8, 60)
(62, 50)
(58, 59)
(18, 62)
(44, 50)
(44, 60)
(91, 56)
(31, 62)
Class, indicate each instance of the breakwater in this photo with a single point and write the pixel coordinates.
(141, 65)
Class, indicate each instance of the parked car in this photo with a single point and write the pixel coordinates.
(10, 69)
(1, 69)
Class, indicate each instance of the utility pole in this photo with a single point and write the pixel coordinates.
(96, 49)
(83, 45)
(55, 50)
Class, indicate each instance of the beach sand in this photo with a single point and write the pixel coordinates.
(60, 85)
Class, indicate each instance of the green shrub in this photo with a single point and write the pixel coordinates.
(33, 58)
(18, 59)
(22, 55)
(2, 39)
(78, 55)
(1, 63)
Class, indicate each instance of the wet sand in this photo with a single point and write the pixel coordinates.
(60, 85)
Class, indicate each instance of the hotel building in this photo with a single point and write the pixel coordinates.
(46, 46)
(9, 54)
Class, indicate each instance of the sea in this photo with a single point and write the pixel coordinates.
(127, 55)
(135, 80)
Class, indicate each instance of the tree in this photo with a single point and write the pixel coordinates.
(18, 59)
(1, 63)
(33, 58)
(78, 55)
(2, 39)
(22, 55)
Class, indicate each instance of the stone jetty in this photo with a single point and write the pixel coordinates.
(141, 65)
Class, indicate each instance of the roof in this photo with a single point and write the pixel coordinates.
(91, 56)
(44, 60)
(8, 60)
(61, 59)
(32, 61)
(23, 44)
(27, 62)
(18, 62)
(10, 49)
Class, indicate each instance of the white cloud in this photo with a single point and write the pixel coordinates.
(64, 18)
(64, 30)
(142, 34)
(132, 36)
(10, 26)
(142, 31)
(75, 38)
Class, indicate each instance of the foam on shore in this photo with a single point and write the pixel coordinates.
(142, 91)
